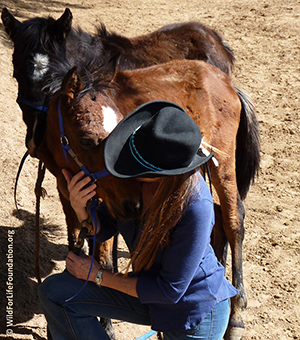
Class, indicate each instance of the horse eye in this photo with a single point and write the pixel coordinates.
(89, 143)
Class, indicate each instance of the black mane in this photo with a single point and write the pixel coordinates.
(90, 58)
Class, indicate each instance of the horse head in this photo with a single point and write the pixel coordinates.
(35, 42)
(87, 118)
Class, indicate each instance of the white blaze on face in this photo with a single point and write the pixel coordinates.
(109, 119)
(41, 66)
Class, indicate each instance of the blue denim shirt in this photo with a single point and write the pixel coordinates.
(185, 281)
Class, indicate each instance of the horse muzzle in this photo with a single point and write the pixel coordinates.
(129, 210)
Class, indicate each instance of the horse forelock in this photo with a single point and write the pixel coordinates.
(33, 36)
(86, 53)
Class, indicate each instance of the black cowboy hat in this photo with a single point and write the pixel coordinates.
(156, 139)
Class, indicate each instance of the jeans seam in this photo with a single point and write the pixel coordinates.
(69, 323)
(66, 304)
(212, 323)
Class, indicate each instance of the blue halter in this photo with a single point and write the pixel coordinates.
(22, 99)
(94, 176)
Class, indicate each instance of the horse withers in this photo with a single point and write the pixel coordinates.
(224, 115)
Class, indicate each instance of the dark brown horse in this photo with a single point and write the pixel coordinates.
(91, 105)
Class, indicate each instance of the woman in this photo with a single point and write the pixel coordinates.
(177, 285)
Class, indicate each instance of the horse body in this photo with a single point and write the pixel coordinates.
(209, 97)
(187, 40)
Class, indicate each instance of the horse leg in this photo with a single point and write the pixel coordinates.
(73, 225)
(103, 252)
(219, 240)
(232, 221)
(39, 192)
(238, 302)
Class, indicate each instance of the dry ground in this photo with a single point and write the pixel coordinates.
(264, 35)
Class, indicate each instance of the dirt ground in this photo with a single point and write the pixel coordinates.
(264, 35)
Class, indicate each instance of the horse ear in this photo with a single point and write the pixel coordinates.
(62, 26)
(71, 84)
(10, 23)
(110, 68)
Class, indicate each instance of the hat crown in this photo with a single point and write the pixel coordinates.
(158, 138)
(168, 140)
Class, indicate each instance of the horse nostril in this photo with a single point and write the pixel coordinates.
(131, 208)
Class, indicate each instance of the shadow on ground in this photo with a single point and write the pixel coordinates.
(20, 272)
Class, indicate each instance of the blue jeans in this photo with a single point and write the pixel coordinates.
(77, 319)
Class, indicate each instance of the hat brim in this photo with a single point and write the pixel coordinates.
(117, 155)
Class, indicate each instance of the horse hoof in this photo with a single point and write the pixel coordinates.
(107, 325)
(234, 333)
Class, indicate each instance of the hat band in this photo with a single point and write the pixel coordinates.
(138, 156)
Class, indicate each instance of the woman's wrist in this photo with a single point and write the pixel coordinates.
(82, 215)
(96, 267)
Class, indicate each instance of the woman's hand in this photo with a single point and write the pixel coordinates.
(79, 192)
(79, 266)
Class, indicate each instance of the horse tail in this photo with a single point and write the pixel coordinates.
(247, 146)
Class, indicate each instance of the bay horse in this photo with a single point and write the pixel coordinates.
(224, 115)
(39, 41)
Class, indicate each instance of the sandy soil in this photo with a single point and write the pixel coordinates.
(264, 35)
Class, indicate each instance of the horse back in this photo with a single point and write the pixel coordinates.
(187, 40)
(204, 92)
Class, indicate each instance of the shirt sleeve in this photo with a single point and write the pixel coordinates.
(190, 240)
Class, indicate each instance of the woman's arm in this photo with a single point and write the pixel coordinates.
(79, 267)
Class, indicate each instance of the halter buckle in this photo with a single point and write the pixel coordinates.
(64, 140)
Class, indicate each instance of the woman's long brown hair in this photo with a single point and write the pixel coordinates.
(166, 207)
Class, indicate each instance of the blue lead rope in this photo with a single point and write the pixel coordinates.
(93, 215)
(94, 176)
(146, 335)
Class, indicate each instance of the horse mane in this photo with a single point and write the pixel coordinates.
(227, 48)
(91, 66)
(112, 38)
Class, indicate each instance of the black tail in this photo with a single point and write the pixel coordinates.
(248, 146)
